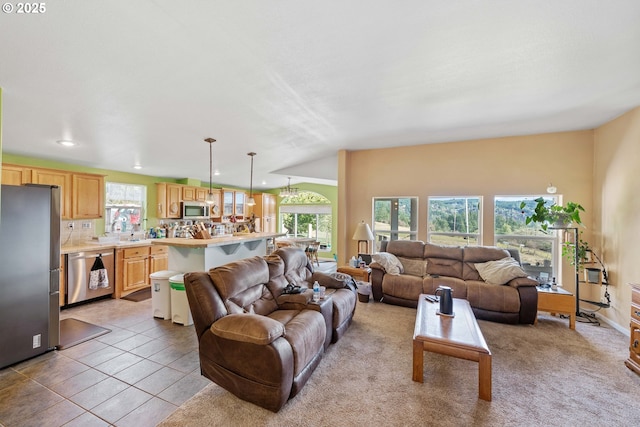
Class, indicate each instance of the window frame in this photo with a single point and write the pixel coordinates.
(109, 227)
(466, 236)
(394, 231)
(536, 235)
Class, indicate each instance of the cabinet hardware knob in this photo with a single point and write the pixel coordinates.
(637, 313)
(635, 344)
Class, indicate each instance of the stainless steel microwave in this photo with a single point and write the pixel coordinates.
(195, 210)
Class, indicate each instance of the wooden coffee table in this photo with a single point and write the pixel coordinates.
(457, 336)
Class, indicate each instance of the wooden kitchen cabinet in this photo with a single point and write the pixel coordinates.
(201, 194)
(216, 211)
(633, 362)
(168, 198)
(15, 175)
(188, 194)
(158, 258)
(88, 196)
(61, 179)
(239, 204)
(194, 194)
(265, 211)
(134, 265)
(233, 203)
(132, 270)
(81, 194)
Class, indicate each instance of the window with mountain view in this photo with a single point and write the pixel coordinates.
(454, 220)
(395, 218)
(537, 249)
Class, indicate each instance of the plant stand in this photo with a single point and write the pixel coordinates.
(582, 316)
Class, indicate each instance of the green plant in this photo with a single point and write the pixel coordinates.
(547, 215)
(569, 251)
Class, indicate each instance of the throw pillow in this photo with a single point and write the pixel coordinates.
(501, 271)
(389, 262)
(413, 266)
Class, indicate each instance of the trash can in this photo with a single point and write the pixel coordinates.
(180, 312)
(161, 293)
(364, 291)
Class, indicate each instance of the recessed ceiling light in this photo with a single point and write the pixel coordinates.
(264, 182)
(216, 173)
(67, 143)
(137, 166)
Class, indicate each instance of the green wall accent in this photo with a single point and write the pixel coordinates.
(328, 191)
(110, 175)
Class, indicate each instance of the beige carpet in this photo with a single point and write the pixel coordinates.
(544, 375)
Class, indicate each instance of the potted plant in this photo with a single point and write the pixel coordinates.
(553, 215)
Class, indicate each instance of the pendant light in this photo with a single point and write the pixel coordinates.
(251, 201)
(210, 199)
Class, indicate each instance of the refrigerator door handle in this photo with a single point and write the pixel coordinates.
(54, 281)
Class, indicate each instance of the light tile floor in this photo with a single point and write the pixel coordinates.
(136, 375)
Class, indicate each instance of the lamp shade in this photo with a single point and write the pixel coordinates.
(363, 232)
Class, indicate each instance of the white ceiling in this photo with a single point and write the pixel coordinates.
(296, 81)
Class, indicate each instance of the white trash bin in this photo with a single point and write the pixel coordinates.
(161, 293)
(180, 312)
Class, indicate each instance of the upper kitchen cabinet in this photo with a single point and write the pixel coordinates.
(239, 204)
(233, 203)
(195, 194)
(61, 179)
(88, 196)
(81, 194)
(265, 212)
(169, 197)
(216, 210)
(15, 175)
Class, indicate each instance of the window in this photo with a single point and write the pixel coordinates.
(454, 220)
(307, 214)
(395, 218)
(124, 207)
(537, 249)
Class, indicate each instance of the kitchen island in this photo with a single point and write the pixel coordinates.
(187, 255)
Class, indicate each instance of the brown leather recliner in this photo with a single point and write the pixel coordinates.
(253, 341)
(299, 271)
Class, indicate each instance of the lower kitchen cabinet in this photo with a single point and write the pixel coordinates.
(159, 258)
(134, 266)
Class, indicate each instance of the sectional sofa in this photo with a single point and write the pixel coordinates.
(504, 294)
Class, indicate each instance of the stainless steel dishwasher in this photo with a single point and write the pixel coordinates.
(78, 270)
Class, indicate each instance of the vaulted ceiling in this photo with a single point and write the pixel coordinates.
(144, 82)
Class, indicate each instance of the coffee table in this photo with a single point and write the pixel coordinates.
(458, 336)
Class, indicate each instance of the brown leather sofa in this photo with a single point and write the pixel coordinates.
(299, 271)
(255, 341)
(434, 265)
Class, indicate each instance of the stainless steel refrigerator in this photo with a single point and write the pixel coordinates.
(29, 271)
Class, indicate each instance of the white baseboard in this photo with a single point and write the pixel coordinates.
(625, 331)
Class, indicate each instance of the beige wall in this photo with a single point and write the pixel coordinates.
(616, 194)
(501, 166)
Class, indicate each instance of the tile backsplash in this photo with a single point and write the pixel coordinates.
(82, 231)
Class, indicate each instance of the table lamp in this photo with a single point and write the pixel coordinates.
(363, 234)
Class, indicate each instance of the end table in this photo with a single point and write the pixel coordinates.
(361, 274)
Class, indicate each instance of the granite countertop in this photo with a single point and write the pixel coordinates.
(215, 241)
